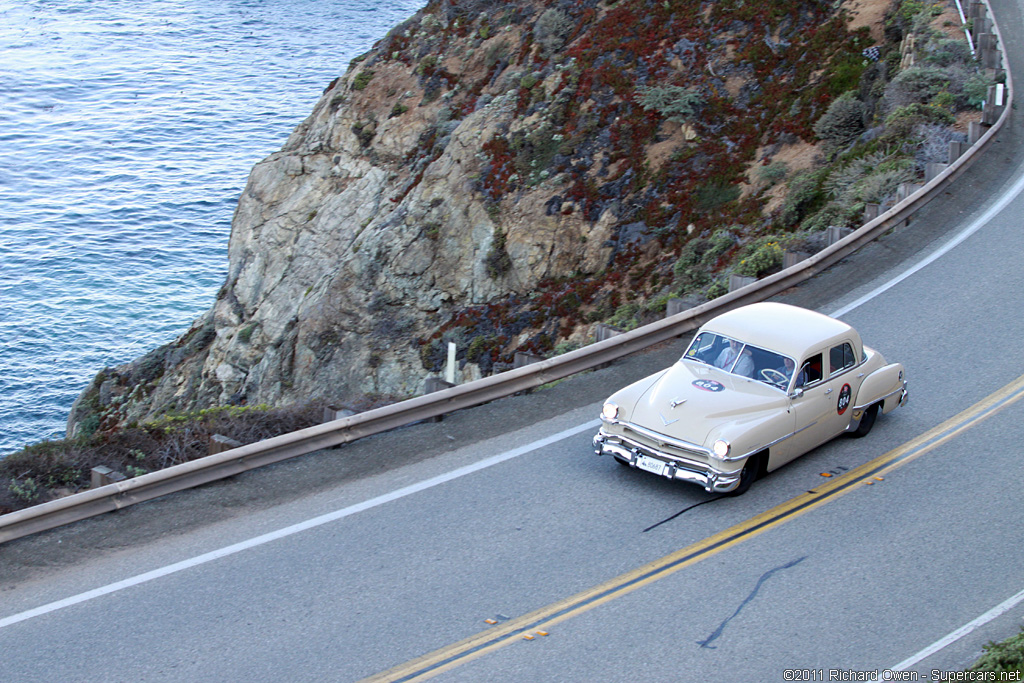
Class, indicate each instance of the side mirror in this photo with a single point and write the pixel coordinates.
(797, 392)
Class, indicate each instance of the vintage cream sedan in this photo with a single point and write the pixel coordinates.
(757, 387)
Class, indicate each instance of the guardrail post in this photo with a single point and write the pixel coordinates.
(791, 258)
(834, 233)
(674, 306)
(737, 281)
(991, 55)
(956, 150)
(993, 104)
(602, 332)
(331, 413)
(871, 211)
(975, 129)
(436, 384)
(102, 475)
(932, 169)
(220, 443)
(522, 359)
(907, 189)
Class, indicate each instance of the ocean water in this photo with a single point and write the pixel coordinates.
(127, 131)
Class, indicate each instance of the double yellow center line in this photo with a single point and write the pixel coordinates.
(544, 618)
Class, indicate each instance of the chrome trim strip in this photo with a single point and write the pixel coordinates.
(710, 478)
(777, 441)
(661, 438)
(884, 398)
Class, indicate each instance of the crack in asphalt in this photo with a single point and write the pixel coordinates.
(669, 519)
(764, 577)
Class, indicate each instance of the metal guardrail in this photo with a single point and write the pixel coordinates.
(121, 494)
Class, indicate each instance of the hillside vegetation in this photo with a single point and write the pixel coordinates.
(507, 175)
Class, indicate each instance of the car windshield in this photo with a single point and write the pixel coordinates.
(740, 358)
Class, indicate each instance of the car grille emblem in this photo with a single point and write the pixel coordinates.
(666, 421)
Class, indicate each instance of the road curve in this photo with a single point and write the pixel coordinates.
(349, 563)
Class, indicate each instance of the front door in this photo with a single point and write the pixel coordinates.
(823, 410)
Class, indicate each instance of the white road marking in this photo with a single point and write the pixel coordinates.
(974, 227)
(956, 635)
(508, 455)
(297, 528)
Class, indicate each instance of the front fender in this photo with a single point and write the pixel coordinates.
(887, 385)
(751, 437)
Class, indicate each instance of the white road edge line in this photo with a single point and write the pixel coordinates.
(974, 227)
(469, 469)
(297, 528)
(956, 635)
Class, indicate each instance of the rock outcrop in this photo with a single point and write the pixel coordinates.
(498, 174)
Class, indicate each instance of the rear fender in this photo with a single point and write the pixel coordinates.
(884, 384)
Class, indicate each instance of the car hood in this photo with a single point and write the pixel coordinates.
(691, 399)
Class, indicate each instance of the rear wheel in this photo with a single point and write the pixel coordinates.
(751, 469)
(867, 421)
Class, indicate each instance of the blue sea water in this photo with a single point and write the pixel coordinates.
(127, 131)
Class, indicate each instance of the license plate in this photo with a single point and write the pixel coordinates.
(650, 464)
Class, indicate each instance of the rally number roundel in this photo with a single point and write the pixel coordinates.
(709, 385)
(844, 399)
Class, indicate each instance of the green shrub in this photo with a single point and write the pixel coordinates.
(691, 255)
(362, 79)
(717, 289)
(948, 51)
(245, 334)
(25, 490)
(675, 103)
(625, 317)
(715, 194)
(1004, 657)
(842, 122)
(804, 196)
(551, 29)
(975, 90)
(900, 124)
(761, 259)
(497, 261)
(917, 84)
(772, 173)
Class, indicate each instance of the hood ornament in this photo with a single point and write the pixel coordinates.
(675, 403)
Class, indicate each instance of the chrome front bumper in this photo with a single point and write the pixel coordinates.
(627, 450)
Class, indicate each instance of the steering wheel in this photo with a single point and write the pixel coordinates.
(775, 377)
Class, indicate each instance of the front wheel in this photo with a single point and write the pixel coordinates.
(751, 468)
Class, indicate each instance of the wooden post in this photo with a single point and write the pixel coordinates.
(737, 281)
(220, 443)
(102, 475)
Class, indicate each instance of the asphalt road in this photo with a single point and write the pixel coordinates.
(342, 565)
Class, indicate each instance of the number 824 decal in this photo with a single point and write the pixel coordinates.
(844, 399)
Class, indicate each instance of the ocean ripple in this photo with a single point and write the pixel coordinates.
(127, 131)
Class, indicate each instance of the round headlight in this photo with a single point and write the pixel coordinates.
(610, 411)
(721, 448)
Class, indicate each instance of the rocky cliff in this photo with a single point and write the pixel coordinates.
(505, 175)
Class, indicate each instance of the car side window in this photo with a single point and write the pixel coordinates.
(810, 371)
(841, 357)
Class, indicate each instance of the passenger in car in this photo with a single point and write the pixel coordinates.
(745, 364)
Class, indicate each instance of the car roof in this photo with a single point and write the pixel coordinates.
(790, 330)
